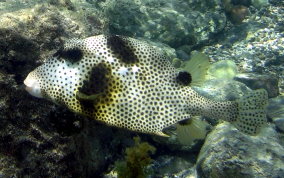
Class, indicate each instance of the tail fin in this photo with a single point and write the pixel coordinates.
(252, 114)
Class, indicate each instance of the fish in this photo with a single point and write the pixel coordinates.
(127, 83)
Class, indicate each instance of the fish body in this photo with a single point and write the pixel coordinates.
(125, 82)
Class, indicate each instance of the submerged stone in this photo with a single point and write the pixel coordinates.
(229, 153)
(256, 81)
(225, 69)
(276, 112)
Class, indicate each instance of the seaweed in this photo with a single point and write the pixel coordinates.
(137, 160)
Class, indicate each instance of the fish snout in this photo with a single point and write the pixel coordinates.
(32, 86)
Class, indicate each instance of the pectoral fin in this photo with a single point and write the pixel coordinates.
(83, 96)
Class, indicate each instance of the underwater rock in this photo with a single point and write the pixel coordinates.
(18, 53)
(28, 143)
(279, 122)
(63, 3)
(229, 153)
(276, 2)
(163, 48)
(257, 81)
(237, 14)
(175, 23)
(256, 45)
(236, 10)
(260, 3)
(225, 69)
(181, 165)
(240, 2)
(48, 26)
(223, 89)
(182, 55)
(276, 112)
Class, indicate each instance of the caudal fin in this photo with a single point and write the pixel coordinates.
(252, 114)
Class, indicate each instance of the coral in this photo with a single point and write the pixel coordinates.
(137, 159)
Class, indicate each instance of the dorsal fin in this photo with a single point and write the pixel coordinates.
(197, 66)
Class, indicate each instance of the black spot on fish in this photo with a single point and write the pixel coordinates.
(121, 49)
(98, 80)
(73, 55)
(96, 89)
(184, 78)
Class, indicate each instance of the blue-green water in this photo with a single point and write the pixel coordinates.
(244, 43)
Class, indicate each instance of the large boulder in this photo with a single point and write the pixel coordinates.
(229, 153)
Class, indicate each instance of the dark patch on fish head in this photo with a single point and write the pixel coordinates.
(184, 78)
(98, 80)
(72, 55)
(98, 88)
(121, 49)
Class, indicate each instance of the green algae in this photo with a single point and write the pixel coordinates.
(137, 160)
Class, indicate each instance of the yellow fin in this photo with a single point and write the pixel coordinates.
(197, 66)
(162, 134)
(193, 129)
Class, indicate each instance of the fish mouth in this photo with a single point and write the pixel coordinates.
(33, 87)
